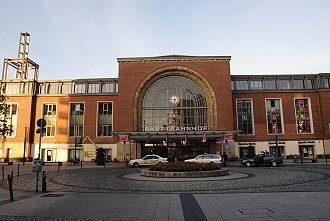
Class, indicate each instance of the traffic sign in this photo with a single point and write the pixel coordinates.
(41, 122)
(43, 130)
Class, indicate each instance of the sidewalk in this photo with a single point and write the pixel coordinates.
(237, 206)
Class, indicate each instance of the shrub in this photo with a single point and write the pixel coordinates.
(183, 166)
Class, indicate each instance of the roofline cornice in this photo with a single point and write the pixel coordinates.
(174, 58)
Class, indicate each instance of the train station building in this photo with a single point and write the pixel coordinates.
(174, 106)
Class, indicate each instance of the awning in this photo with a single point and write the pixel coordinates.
(159, 136)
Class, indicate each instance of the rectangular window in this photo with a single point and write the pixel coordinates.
(327, 82)
(256, 85)
(108, 87)
(270, 84)
(76, 116)
(104, 123)
(244, 116)
(66, 88)
(41, 88)
(284, 84)
(49, 114)
(52, 88)
(93, 88)
(12, 88)
(303, 119)
(274, 116)
(11, 119)
(298, 84)
(80, 88)
(242, 85)
(310, 84)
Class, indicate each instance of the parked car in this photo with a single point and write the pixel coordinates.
(147, 161)
(262, 160)
(206, 158)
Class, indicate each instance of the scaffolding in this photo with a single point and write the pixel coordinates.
(21, 67)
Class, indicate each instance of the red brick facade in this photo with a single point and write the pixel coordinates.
(135, 76)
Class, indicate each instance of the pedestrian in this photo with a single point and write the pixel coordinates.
(225, 158)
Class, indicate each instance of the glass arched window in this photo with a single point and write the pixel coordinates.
(174, 103)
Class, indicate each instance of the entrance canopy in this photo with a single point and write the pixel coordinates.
(156, 137)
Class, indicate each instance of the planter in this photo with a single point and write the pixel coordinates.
(189, 174)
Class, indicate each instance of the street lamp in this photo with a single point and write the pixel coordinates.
(273, 121)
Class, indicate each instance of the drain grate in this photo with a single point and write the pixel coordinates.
(53, 195)
(256, 211)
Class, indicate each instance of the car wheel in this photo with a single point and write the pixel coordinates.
(135, 164)
(274, 163)
(212, 163)
(248, 164)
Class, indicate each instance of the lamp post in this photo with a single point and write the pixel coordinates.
(273, 120)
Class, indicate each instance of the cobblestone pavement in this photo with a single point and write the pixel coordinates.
(288, 192)
(111, 179)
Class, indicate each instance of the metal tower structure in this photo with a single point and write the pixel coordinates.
(21, 67)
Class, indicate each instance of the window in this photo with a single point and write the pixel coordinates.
(12, 88)
(41, 87)
(49, 114)
(76, 119)
(242, 85)
(298, 84)
(104, 124)
(327, 82)
(93, 88)
(284, 84)
(256, 85)
(274, 118)
(270, 84)
(174, 102)
(11, 116)
(310, 84)
(80, 88)
(66, 88)
(107, 88)
(52, 88)
(244, 116)
(303, 120)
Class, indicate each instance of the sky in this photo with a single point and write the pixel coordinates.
(73, 39)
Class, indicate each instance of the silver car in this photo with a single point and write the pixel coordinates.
(147, 161)
(206, 158)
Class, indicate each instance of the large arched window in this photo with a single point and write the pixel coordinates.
(174, 103)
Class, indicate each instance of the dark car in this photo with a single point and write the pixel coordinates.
(263, 160)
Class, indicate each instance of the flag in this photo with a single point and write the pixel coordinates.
(204, 137)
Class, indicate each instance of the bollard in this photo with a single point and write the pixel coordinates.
(81, 164)
(3, 173)
(44, 181)
(37, 181)
(17, 169)
(10, 183)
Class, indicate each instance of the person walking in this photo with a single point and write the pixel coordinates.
(225, 159)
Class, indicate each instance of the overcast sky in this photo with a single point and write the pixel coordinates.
(83, 38)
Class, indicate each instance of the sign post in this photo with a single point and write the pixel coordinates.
(41, 124)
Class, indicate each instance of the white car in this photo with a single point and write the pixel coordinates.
(147, 161)
(206, 158)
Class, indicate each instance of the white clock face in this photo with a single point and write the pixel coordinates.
(175, 99)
